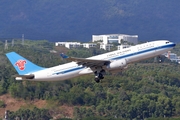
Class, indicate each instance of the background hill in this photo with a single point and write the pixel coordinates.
(146, 90)
(60, 20)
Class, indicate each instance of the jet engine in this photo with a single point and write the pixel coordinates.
(117, 64)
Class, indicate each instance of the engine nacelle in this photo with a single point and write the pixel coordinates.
(117, 64)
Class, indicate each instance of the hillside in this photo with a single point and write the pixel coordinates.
(145, 90)
(59, 20)
(12, 104)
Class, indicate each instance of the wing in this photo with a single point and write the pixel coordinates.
(89, 62)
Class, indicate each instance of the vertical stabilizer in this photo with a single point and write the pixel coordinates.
(21, 64)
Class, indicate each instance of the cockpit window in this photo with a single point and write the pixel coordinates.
(167, 42)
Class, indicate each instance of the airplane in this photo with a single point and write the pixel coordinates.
(116, 60)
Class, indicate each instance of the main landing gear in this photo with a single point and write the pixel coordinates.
(158, 59)
(99, 76)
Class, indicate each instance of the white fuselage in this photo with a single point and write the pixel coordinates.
(131, 54)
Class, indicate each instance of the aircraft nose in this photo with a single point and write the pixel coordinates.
(173, 44)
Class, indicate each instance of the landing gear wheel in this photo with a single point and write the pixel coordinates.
(97, 80)
(159, 59)
(100, 76)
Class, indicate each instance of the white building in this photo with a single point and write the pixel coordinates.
(115, 38)
(106, 46)
(104, 40)
(172, 56)
(89, 45)
(68, 44)
(120, 47)
(75, 44)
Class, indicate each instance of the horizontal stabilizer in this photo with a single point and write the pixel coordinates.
(24, 76)
(63, 56)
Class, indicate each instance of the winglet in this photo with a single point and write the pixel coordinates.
(63, 56)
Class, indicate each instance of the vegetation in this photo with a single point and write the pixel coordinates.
(145, 90)
(26, 114)
(2, 104)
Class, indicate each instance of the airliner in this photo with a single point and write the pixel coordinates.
(97, 65)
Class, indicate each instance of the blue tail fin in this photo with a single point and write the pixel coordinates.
(22, 65)
(63, 56)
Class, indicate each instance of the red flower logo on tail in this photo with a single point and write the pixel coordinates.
(21, 64)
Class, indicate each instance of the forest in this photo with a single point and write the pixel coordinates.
(146, 90)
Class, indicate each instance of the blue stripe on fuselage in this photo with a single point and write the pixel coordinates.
(119, 57)
(69, 70)
(143, 51)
